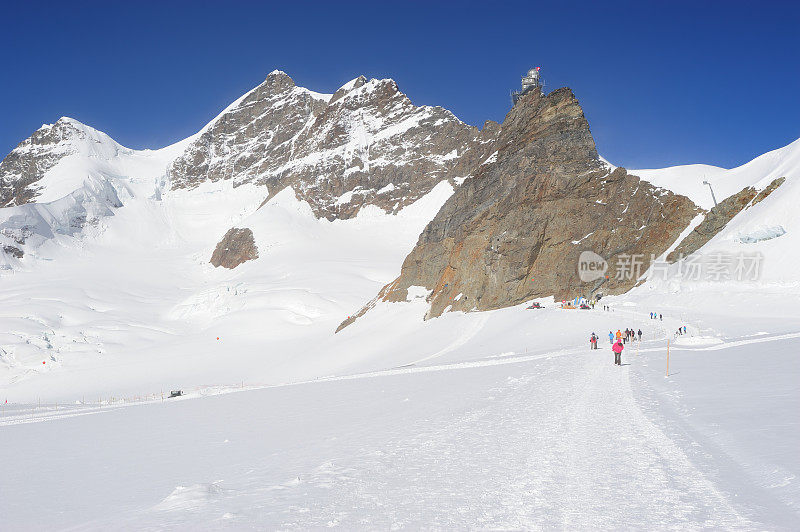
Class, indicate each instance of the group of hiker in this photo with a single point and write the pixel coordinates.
(622, 337)
(617, 341)
(628, 335)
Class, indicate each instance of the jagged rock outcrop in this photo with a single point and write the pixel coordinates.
(515, 229)
(366, 144)
(236, 247)
(718, 217)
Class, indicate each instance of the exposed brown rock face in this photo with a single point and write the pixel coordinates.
(718, 217)
(236, 247)
(366, 144)
(515, 229)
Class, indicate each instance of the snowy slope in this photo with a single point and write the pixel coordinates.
(141, 295)
(766, 234)
(556, 439)
(685, 179)
(688, 179)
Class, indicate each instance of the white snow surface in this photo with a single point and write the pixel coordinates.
(520, 427)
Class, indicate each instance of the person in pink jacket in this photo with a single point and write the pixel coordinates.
(617, 348)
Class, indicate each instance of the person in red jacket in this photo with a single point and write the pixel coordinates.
(617, 348)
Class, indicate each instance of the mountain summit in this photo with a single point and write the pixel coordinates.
(366, 144)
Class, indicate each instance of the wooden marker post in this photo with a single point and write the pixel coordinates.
(667, 375)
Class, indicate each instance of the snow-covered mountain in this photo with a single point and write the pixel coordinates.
(65, 178)
(54, 161)
(225, 263)
(315, 201)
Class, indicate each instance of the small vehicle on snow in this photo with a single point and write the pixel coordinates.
(535, 305)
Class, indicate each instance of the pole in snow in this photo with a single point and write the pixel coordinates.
(667, 375)
(712, 192)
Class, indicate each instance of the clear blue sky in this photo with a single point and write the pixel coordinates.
(661, 83)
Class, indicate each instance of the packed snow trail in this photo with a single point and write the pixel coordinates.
(553, 442)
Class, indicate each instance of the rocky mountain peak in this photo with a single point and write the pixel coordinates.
(347, 87)
(365, 145)
(277, 82)
(516, 228)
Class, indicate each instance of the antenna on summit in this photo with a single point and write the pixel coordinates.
(530, 81)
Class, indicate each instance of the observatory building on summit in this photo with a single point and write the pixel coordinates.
(529, 81)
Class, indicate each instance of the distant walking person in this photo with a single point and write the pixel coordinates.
(617, 348)
(593, 341)
(610, 337)
(640, 335)
(660, 317)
